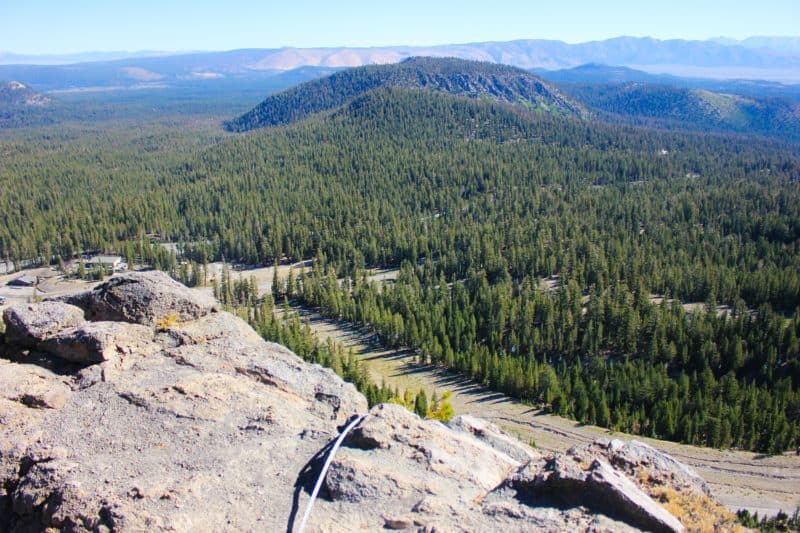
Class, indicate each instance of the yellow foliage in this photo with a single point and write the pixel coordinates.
(172, 319)
(644, 475)
(442, 409)
(397, 400)
(406, 400)
(696, 511)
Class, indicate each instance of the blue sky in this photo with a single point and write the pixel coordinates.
(67, 26)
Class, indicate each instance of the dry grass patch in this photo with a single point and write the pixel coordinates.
(697, 512)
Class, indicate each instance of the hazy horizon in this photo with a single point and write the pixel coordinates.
(153, 51)
(95, 26)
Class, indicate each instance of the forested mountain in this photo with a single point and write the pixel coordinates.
(642, 103)
(677, 107)
(545, 256)
(20, 104)
(599, 74)
(457, 77)
(17, 94)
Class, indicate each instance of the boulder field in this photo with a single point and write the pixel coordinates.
(141, 405)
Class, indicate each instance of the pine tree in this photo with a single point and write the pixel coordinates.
(421, 404)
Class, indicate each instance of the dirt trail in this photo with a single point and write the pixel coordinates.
(765, 484)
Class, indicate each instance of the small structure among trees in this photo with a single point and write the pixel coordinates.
(113, 263)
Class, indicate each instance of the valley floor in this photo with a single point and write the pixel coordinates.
(763, 484)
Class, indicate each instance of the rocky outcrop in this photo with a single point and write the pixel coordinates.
(147, 298)
(33, 386)
(29, 324)
(621, 471)
(96, 342)
(397, 469)
(394, 454)
(569, 478)
(494, 437)
(195, 425)
(130, 422)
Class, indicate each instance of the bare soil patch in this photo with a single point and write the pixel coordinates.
(51, 283)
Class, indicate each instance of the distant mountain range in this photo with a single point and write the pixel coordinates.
(789, 45)
(775, 59)
(457, 77)
(11, 58)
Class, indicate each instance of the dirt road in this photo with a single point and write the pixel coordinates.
(765, 484)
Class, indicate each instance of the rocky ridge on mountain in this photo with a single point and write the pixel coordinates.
(142, 406)
(449, 76)
(18, 94)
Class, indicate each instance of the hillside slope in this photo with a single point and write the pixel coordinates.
(17, 94)
(669, 106)
(20, 105)
(452, 76)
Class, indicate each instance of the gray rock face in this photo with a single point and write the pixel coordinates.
(95, 342)
(634, 458)
(144, 298)
(629, 479)
(604, 488)
(202, 425)
(33, 386)
(209, 328)
(494, 437)
(396, 469)
(394, 455)
(29, 324)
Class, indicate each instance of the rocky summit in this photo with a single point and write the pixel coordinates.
(141, 405)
